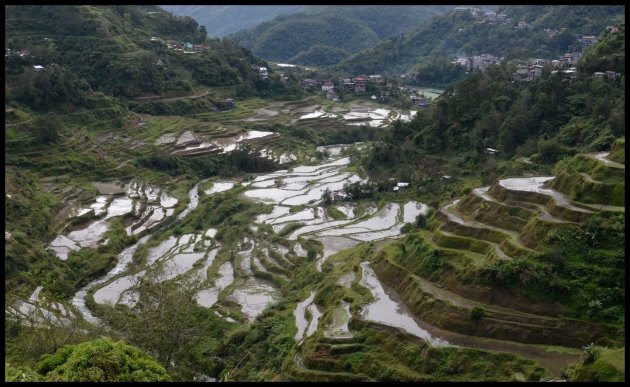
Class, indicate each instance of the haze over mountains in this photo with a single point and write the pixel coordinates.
(319, 35)
(222, 20)
(397, 39)
(544, 32)
(439, 202)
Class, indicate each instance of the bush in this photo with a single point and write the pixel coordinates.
(421, 221)
(477, 313)
(590, 353)
(406, 228)
(18, 374)
(102, 360)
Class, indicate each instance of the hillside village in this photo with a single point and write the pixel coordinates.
(377, 88)
(445, 204)
(531, 69)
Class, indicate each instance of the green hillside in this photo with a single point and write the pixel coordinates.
(222, 20)
(175, 211)
(547, 119)
(122, 51)
(459, 33)
(348, 28)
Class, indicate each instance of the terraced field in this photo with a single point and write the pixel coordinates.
(263, 265)
(497, 223)
(367, 288)
(490, 223)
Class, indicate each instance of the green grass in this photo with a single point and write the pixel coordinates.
(609, 366)
(558, 349)
(334, 213)
(289, 228)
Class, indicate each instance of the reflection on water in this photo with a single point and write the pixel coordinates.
(338, 329)
(384, 310)
(254, 296)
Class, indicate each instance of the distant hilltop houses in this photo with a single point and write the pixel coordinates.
(533, 69)
(477, 62)
(564, 65)
(528, 71)
(184, 47)
(482, 16)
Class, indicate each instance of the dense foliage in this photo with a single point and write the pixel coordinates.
(102, 360)
(549, 118)
(584, 268)
(457, 33)
(291, 37)
(119, 50)
(222, 20)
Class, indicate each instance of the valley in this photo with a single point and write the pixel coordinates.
(295, 231)
(234, 220)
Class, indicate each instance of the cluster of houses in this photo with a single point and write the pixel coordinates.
(481, 62)
(528, 71)
(552, 33)
(417, 98)
(10, 52)
(565, 65)
(260, 71)
(185, 47)
(588, 41)
(357, 84)
(482, 16)
(608, 75)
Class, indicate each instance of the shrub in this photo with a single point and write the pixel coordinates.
(421, 221)
(406, 228)
(477, 313)
(590, 353)
(102, 360)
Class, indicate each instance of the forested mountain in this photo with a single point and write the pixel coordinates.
(222, 20)
(122, 51)
(307, 37)
(460, 33)
(177, 211)
(549, 118)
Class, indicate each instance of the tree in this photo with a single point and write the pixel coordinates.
(477, 313)
(421, 221)
(48, 129)
(167, 322)
(101, 360)
(327, 197)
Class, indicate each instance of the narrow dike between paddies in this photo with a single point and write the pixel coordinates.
(403, 318)
(112, 291)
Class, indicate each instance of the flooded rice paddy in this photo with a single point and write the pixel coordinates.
(385, 310)
(537, 184)
(195, 254)
(254, 296)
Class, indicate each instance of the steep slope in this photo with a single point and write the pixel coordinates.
(222, 20)
(515, 252)
(547, 119)
(459, 33)
(349, 28)
(123, 51)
